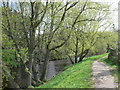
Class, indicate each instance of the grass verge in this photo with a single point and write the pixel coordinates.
(76, 76)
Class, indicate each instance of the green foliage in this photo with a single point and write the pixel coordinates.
(76, 76)
(110, 63)
(107, 37)
(40, 83)
(12, 58)
(45, 80)
(8, 56)
(57, 55)
(44, 27)
(5, 80)
(88, 29)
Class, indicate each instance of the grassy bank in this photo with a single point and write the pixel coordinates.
(76, 76)
(109, 63)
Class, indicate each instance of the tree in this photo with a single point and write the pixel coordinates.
(28, 20)
(56, 20)
(34, 31)
(85, 32)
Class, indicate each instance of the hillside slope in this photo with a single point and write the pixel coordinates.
(75, 76)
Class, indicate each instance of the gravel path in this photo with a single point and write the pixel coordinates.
(102, 75)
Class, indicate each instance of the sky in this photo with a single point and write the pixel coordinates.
(114, 6)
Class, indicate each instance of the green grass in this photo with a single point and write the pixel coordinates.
(110, 63)
(76, 76)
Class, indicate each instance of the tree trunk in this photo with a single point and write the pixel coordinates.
(71, 60)
(12, 83)
(18, 75)
(80, 58)
(24, 78)
(31, 48)
(76, 59)
(76, 51)
(45, 65)
(35, 69)
(83, 54)
(29, 67)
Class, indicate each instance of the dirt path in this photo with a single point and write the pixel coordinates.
(102, 75)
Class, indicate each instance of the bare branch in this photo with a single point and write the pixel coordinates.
(60, 45)
(79, 14)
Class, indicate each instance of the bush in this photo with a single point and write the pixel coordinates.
(113, 55)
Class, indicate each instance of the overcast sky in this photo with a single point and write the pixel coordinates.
(114, 6)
